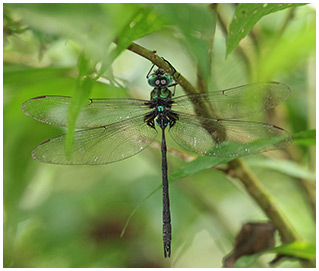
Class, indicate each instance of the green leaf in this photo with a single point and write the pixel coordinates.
(245, 17)
(82, 91)
(307, 138)
(200, 164)
(304, 250)
(206, 162)
(287, 167)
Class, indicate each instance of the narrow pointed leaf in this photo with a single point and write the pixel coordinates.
(246, 16)
(304, 250)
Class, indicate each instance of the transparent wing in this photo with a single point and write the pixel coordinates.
(235, 102)
(227, 138)
(100, 145)
(95, 113)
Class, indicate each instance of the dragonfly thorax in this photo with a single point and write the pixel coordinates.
(164, 117)
(161, 110)
(163, 93)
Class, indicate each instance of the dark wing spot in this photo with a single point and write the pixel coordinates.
(39, 97)
(45, 141)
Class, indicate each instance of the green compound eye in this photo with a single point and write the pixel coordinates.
(169, 79)
(153, 81)
(166, 80)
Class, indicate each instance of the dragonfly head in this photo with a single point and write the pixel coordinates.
(160, 79)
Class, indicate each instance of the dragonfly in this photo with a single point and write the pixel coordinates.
(113, 129)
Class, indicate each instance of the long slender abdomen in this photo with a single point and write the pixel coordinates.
(167, 228)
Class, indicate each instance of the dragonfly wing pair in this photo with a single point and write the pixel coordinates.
(53, 110)
(96, 146)
(114, 130)
(234, 103)
(227, 138)
(216, 134)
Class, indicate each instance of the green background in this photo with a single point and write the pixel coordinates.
(72, 216)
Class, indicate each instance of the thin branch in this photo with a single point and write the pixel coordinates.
(289, 17)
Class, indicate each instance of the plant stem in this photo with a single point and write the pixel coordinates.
(264, 200)
(289, 17)
(309, 188)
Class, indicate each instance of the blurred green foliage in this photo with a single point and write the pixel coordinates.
(72, 216)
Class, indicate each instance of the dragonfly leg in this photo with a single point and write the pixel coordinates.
(149, 72)
(172, 74)
(171, 66)
(173, 85)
